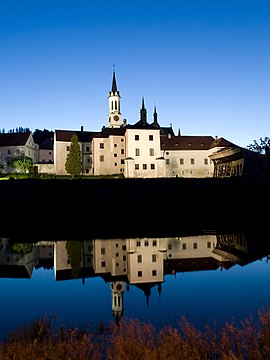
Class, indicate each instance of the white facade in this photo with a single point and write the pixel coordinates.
(109, 155)
(142, 152)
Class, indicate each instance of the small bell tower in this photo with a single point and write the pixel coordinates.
(115, 116)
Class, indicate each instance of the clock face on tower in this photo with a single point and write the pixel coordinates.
(116, 118)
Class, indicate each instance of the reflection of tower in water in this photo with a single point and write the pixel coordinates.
(117, 288)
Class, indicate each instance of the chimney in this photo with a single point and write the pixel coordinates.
(82, 128)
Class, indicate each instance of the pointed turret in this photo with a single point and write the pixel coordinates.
(143, 111)
(155, 115)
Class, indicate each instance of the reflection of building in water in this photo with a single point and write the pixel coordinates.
(235, 248)
(193, 253)
(17, 260)
(117, 288)
(142, 262)
(62, 262)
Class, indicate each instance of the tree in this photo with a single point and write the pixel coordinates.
(73, 163)
(74, 253)
(22, 248)
(260, 146)
(22, 163)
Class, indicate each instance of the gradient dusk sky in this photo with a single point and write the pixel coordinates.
(205, 64)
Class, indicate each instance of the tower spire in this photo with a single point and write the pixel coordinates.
(114, 86)
(143, 112)
(114, 116)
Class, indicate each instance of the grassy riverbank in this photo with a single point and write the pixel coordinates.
(136, 340)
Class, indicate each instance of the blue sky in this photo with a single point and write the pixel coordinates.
(205, 64)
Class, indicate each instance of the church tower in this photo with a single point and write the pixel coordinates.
(115, 116)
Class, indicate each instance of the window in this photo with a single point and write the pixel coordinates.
(137, 137)
(205, 161)
(139, 273)
(122, 161)
(66, 148)
(151, 137)
(195, 246)
(115, 155)
(102, 251)
(139, 258)
(154, 272)
(115, 164)
(136, 166)
(151, 152)
(146, 243)
(144, 166)
(103, 263)
(192, 161)
(101, 158)
(184, 246)
(138, 243)
(87, 148)
(115, 145)
(154, 257)
(154, 242)
(137, 152)
(122, 151)
(167, 161)
(208, 244)
(181, 161)
(101, 145)
(152, 166)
